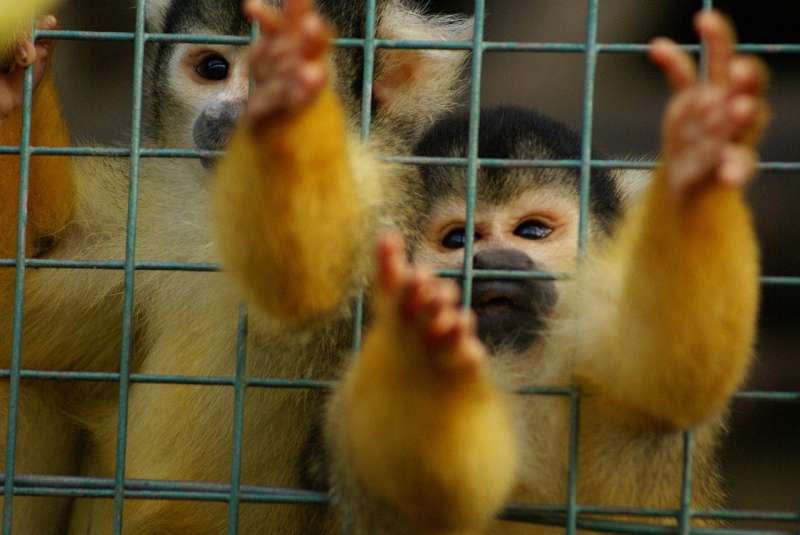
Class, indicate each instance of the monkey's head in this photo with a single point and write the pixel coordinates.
(196, 92)
(526, 219)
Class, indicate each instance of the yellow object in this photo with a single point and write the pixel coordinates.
(51, 186)
(274, 191)
(17, 15)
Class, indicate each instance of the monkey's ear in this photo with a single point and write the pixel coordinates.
(413, 87)
(156, 14)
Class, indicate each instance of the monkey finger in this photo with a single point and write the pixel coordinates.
(466, 357)
(316, 36)
(680, 119)
(416, 293)
(719, 37)
(752, 134)
(441, 298)
(438, 328)
(743, 111)
(392, 264)
(677, 65)
(305, 85)
(25, 54)
(748, 75)
(268, 18)
(737, 165)
(48, 22)
(295, 10)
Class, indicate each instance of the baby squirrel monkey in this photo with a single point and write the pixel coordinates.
(665, 325)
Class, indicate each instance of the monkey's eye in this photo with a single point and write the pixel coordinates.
(213, 67)
(457, 238)
(532, 230)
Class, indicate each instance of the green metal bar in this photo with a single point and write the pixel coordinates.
(406, 160)
(370, 30)
(44, 485)
(313, 384)
(582, 245)
(36, 263)
(488, 46)
(240, 382)
(369, 68)
(42, 263)
(587, 126)
(239, 388)
(572, 469)
(529, 511)
(130, 268)
(685, 514)
(19, 300)
(611, 526)
(473, 165)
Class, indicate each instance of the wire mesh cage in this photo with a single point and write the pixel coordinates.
(571, 515)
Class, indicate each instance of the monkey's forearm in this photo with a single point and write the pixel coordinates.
(682, 337)
(51, 185)
(440, 458)
(288, 212)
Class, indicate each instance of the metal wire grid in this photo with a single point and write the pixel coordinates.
(571, 515)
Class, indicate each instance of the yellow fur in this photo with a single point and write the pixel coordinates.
(51, 186)
(273, 195)
(16, 15)
(434, 443)
(680, 339)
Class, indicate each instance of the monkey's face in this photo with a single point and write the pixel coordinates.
(536, 230)
(208, 89)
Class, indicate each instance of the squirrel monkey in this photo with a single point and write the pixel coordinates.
(657, 328)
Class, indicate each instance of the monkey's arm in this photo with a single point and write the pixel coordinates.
(51, 184)
(287, 210)
(686, 264)
(681, 339)
(421, 438)
(287, 204)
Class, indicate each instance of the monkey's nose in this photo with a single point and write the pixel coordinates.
(509, 259)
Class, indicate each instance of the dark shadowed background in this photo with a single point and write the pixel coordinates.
(762, 452)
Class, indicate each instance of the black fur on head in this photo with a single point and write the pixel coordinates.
(511, 133)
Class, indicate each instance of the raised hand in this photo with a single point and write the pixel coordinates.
(289, 64)
(711, 126)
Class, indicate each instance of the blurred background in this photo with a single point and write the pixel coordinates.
(761, 455)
